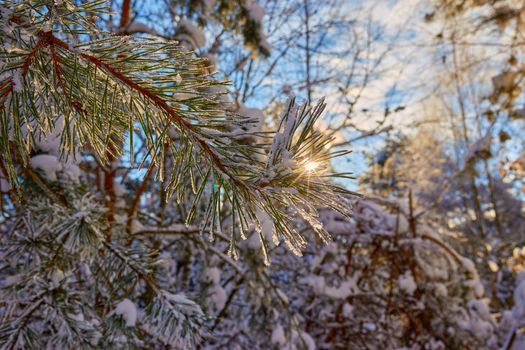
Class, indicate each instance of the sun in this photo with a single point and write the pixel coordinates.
(311, 166)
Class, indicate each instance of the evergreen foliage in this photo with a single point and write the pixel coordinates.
(73, 96)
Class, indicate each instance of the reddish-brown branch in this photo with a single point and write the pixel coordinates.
(56, 65)
(57, 197)
(7, 91)
(126, 13)
(43, 42)
(45, 39)
(5, 82)
(136, 200)
(159, 101)
(58, 72)
(130, 83)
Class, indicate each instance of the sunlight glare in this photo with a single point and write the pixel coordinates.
(311, 166)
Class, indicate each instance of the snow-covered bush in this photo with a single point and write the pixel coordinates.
(387, 282)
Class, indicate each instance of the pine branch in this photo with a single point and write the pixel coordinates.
(22, 321)
(121, 81)
(57, 198)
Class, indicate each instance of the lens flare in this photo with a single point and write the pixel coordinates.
(311, 166)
